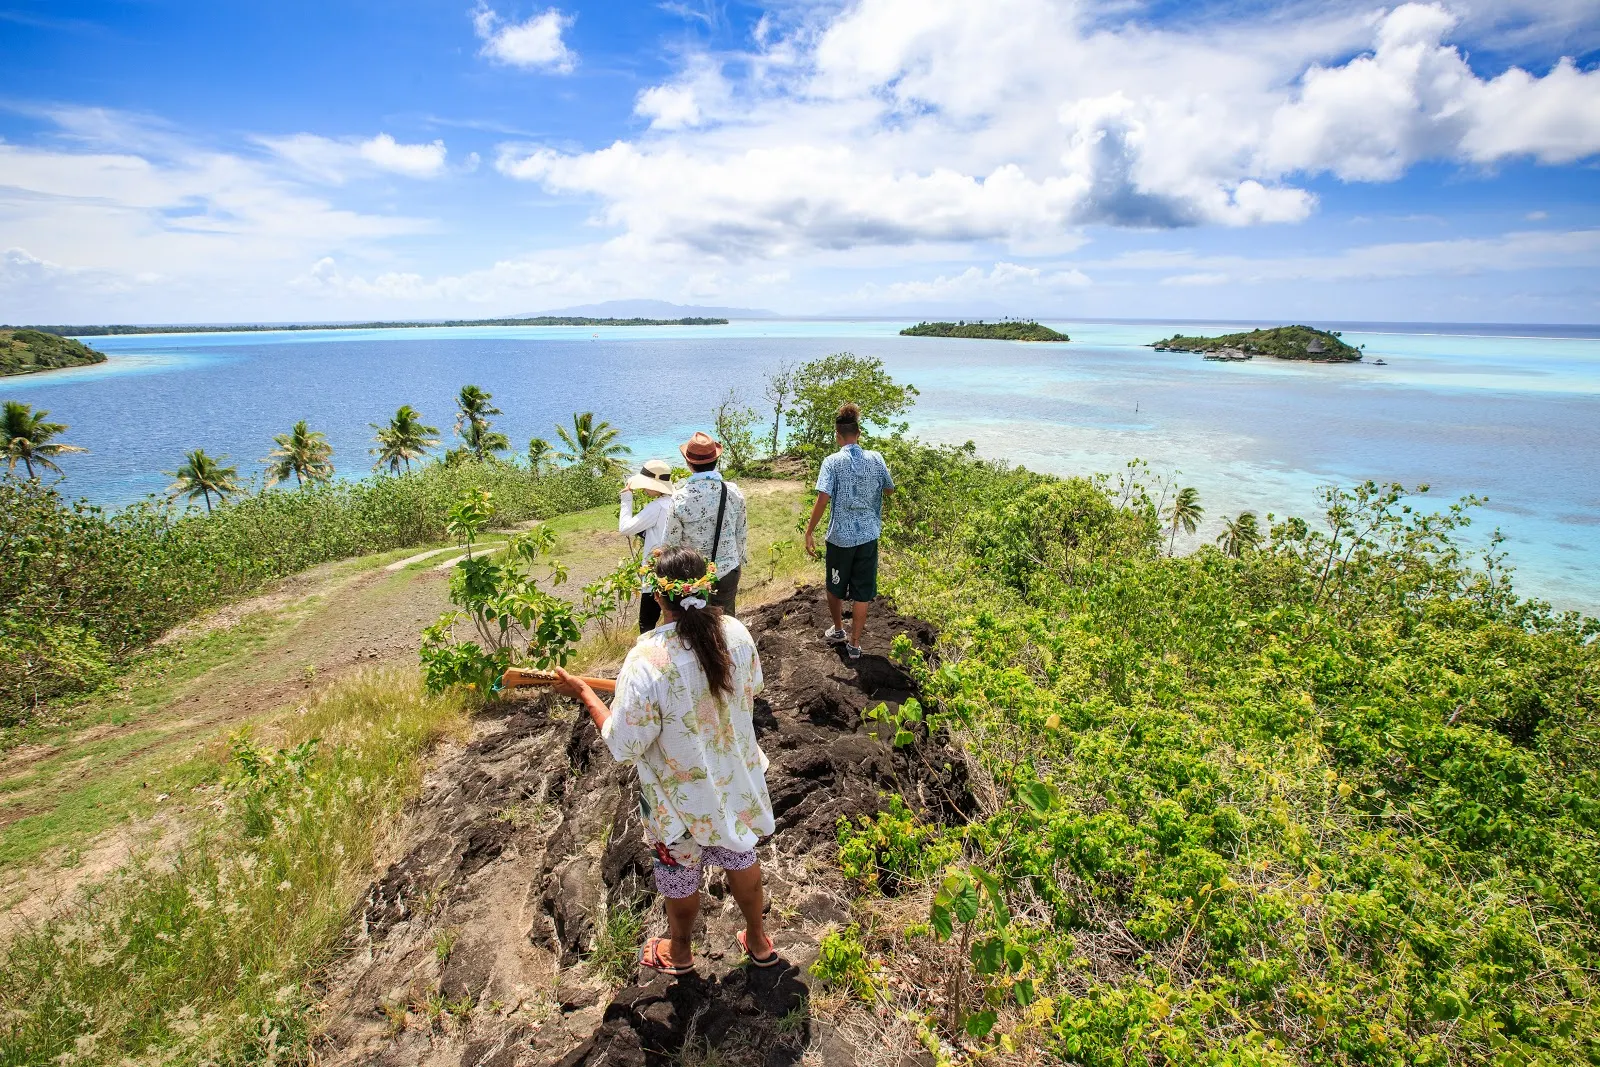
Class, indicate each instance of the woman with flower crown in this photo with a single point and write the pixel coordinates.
(683, 715)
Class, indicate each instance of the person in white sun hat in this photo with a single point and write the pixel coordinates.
(650, 525)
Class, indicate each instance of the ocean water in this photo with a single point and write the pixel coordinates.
(1503, 414)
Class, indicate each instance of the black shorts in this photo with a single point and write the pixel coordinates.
(852, 572)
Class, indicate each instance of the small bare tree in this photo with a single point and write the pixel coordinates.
(777, 391)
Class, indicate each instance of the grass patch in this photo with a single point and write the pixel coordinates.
(209, 955)
(616, 944)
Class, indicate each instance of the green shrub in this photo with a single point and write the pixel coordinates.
(83, 588)
(842, 962)
(822, 385)
(1335, 801)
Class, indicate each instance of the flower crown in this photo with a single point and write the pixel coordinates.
(678, 588)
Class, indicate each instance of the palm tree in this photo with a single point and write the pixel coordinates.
(403, 440)
(26, 437)
(473, 409)
(303, 452)
(1240, 535)
(591, 444)
(1185, 512)
(200, 475)
(539, 455)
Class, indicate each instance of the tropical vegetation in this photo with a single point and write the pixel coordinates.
(1331, 796)
(591, 444)
(822, 385)
(1280, 342)
(302, 452)
(84, 589)
(541, 454)
(403, 439)
(1004, 330)
(28, 437)
(200, 475)
(1183, 513)
(474, 408)
(26, 351)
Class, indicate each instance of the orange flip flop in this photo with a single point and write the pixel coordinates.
(651, 957)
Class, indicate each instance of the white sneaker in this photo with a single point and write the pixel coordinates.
(833, 635)
(853, 651)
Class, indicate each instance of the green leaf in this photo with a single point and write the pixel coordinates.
(939, 919)
(980, 1023)
(997, 899)
(1037, 796)
(988, 955)
(1022, 989)
(902, 738)
(965, 904)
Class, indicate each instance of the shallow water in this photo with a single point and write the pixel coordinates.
(1507, 417)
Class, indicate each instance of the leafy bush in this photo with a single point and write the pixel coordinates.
(83, 588)
(842, 962)
(508, 616)
(1336, 800)
(822, 385)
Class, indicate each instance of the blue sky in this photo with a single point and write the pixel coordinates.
(222, 161)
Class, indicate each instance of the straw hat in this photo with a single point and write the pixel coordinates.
(701, 449)
(654, 477)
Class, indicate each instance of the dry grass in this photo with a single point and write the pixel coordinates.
(209, 956)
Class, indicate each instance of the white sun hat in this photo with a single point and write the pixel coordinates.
(654, 477)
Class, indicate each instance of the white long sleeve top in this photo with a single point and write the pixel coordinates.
(651, 522)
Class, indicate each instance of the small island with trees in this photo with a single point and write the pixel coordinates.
(1280, 342)
(29, 351)
(1005, 330)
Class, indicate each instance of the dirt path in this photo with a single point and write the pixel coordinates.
(75, 806)
(491, 941)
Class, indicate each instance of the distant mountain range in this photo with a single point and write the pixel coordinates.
(653, 309)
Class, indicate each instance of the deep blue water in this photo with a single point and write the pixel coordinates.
(1508, 417)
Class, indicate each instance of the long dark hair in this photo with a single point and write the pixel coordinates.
(700, 628)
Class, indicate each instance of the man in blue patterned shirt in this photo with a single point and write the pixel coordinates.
(855, 481)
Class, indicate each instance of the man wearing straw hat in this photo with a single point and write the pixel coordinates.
(708, 515)
(650, 525)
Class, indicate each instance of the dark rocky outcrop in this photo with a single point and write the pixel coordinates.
(525, 837)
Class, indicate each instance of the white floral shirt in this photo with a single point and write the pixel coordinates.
(701, 772)
(694, 520)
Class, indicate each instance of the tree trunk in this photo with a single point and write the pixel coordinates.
(207, 494)
(27, 462)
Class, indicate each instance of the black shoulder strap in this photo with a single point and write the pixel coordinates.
(716, 536)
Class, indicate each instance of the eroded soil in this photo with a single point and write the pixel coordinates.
(477, 946)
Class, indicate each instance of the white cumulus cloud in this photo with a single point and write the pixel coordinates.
(1414, 97)
(901, 122)
(535, 44)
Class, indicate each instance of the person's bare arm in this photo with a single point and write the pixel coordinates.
(811, 528)
(579, 690)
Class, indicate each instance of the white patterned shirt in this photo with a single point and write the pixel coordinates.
(694, 520)
(701, 772)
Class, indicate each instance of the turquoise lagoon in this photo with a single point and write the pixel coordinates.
(1507, 414)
